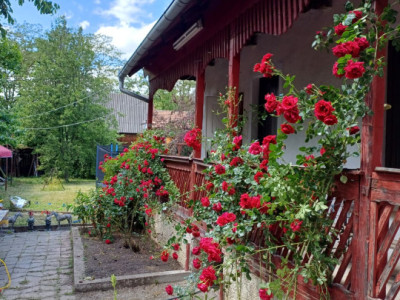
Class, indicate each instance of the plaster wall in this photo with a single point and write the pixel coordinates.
(293, 55)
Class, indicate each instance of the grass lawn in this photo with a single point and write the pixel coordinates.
(53, 197)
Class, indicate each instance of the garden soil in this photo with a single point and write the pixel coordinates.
(102, 260)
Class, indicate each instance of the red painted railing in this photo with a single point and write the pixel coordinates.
(344, 209)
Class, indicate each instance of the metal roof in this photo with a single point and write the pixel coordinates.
(131, 113)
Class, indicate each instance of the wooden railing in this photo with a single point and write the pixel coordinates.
(345, 209)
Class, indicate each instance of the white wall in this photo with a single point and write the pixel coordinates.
(293, 55)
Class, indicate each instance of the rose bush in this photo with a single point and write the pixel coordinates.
(135, 183)
(252, 188)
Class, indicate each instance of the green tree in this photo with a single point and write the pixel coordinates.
(43, 6)
(10, 65)
(61, 99)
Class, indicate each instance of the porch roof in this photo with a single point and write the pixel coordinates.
(227, 26)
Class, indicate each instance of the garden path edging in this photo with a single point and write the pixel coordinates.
(82, 285)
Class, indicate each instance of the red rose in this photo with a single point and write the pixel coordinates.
(205, 201)
(354, 130)
(269, 139)
(322, 151)
(209, 186)
(264, 165)
(258, 176)
(295, 225)
(108, 225)
(226, 218)
(335, 71)
(219, 169)
(263, 293)
(196, 251)
(287, 129)
(255, 148)
(330, 120)
(217, 206)
(164, 256)
(289, 102)
(237, 141)
(309, 89)
(169, 289)
(175, 255)
(340, 28)
(175, 246)
(202, 287)
(108, 241)
(357, 14)
(292, 116)
(322, 109)
(271, 103)
(197, 263)
(362, 43)
(354, 69)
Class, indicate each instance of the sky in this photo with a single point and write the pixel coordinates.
(126, 21)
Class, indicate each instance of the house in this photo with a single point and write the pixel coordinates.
(131, 115)
(217, 42)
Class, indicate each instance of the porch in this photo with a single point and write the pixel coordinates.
(367, 243)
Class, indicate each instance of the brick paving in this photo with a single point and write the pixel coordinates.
(40, 265)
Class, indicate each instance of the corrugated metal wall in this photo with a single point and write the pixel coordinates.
(130, 113)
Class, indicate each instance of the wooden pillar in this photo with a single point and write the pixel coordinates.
(233, 83)
(6, 183)
(200, 87)
(364, 252)
(150, 113)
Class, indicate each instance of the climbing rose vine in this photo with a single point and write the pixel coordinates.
(250, 190)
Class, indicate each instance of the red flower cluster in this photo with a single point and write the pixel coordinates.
(258, 176)
(108, 241)
(196, 263)
(265, 67)
(207, 279)
(193, 229)
(236, 161)
(226, 218)
(247, 202)
(288, 107)
(211, 248)
(323, 111)
(219, 169)
(217, 206)
(228, 187)
(237, 142)
(193, 138)
(350, 47)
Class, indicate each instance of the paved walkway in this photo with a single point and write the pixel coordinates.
(40, 265)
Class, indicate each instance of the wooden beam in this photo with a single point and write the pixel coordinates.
(200, 87)
(150, 112)
(233, 82)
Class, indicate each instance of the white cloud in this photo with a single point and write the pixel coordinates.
(126, 37)
(128, 11)
(84, 24)
(97, 2)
